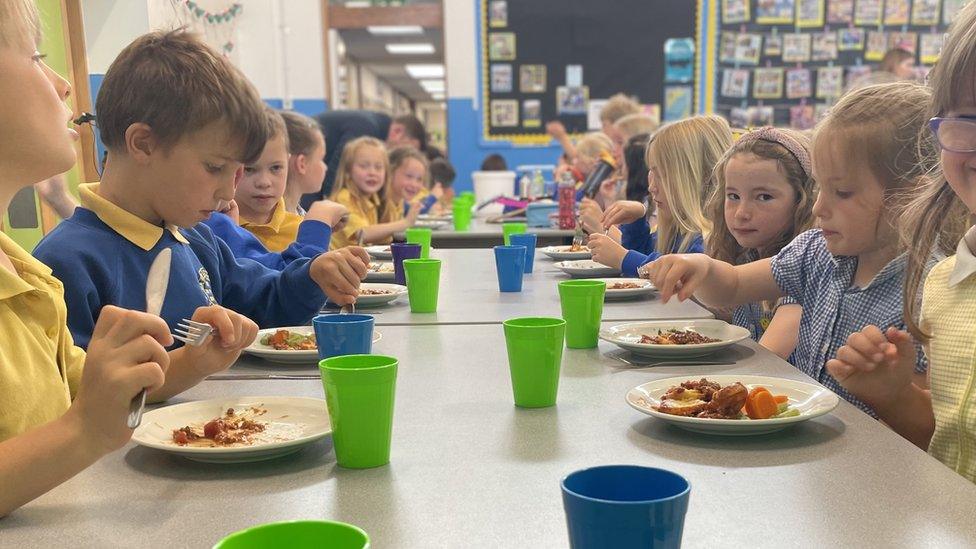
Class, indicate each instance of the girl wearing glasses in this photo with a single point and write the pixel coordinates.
(876, 365)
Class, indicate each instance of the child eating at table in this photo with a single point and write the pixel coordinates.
(681, 160)
(762, 200)
(175, 146)
(848, 273)
(363, 186)
(877, 366)
(63, 409)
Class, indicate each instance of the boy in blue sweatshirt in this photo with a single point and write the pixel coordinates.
(178, 121)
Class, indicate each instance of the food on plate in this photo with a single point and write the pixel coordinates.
(374, 291)
(708, 399)
(578, 248)
(624, 286)
(381, 267)
(677, 337)
(284, 340)
(232, 428)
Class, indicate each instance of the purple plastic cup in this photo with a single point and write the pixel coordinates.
(401, 252)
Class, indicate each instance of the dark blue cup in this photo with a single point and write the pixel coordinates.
(343, 334)
(625, 506)
(510, 266)
(527, 240)
(401, 252)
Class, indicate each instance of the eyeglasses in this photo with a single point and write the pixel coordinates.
(956, 135)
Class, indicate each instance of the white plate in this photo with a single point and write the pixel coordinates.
(289, 357)
(380, 272)
(433, 224)
(811, 401)
(646, 288)
(431, 217)
(379, 252)
(586, 268)
(373, 300)
(297, 420)
(628, 335)
(562, 252)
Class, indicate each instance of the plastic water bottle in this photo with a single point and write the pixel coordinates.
(524, 186)
(567, 201)
(538, 185)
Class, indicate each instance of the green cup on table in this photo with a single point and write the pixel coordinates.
(420, 235)
(359, 392)
(508, 229)
(423, 283)
(582, 306)
(462, 216)
(535, 354)
(297, 534)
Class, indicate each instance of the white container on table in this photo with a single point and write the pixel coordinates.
(488, 185)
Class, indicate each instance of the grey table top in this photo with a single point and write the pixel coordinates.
(469, 469)
(482, 234)
(469, 295)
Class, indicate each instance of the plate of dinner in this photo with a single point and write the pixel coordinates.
(380, 272)
(586, 268)
(675, 338)
(688, 403)
(627, 288)
(380, 252)
(567, 252)
(235, 429)
(291, 345)
(372, 294)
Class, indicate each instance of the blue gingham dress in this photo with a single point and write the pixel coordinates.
(832, 307)
(756, 317)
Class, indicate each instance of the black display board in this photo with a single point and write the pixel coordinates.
(618, 43)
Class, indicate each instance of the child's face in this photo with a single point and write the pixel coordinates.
(315, 167)
(408, 179)
(656, 190)
(264, 181)
(368, 169)
(584, 165)
(759, 201)
(905, 69)
(36, 142)
(960, 168)
(849, 209)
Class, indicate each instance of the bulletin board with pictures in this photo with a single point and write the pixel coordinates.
(784, 62)
(544, 60)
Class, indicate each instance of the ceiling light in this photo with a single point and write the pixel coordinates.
(395, 29)
(425, 71)
(408, 49)
(437, 96)
(432, 86)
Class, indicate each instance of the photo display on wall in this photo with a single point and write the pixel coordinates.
(786, 61)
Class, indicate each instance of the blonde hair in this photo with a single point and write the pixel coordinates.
(594, 145)
(19, 26)
(399, 157)
(344, 177)
(635, 124)
(684, 154)
(936, 218)
(617, 107)
(722, 245)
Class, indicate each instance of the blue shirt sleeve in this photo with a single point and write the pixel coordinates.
(792, 267)
(427, 204)
(243, 244)
(637, 236)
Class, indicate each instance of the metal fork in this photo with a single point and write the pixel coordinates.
(579, 237)
(636, 365)
(193, 333)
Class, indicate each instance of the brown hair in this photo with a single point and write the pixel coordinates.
(617, 107)
(177, 85)
(19, 26)
(344, 177)
(275, 126)
(936, 218)
(722, 245)
(414, 128)
(302, 132)
(400, 155)
(893, 58)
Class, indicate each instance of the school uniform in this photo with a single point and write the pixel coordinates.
(364, 211)
(102, 255)
(313, 238)
(281, 230)
(641, 244)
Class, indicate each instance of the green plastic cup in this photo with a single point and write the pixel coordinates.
(508, 229)
(423, 283)
(582, 305)
(297, 534)
(462, 216)
(535, 353)
(359, 393)
(467, 195)
(420, 235)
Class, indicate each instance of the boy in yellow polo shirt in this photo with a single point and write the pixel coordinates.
(60, 409)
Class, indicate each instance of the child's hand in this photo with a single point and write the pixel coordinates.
(339, 273)
(231, 210)
(677, 274)
(437, 190)
(556, 130)
(606, 250)
(234, 333)
(413, 212)
(591, 214)
(608, 190)
(126, 354)
(623, 211)
(331, 213)
(876, 367)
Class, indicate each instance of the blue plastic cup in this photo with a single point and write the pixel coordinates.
(528, 240)
(401, 252)
(342, 334)
(625, 506)
(510, 266)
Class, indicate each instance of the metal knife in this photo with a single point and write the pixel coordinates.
(156, 284)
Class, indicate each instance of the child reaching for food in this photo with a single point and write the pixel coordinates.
(363, 186)
(681, 159)
(762, 200)
(877, 366)
(848, 273)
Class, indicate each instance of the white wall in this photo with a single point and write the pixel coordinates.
(109, 26)
(459, 49)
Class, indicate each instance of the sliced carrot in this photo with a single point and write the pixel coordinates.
(760, 404)
(781, 399)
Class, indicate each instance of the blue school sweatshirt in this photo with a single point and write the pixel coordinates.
(245, 245)
(641, 242)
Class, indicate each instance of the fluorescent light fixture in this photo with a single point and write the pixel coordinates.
(425, 71)
(358, 3)
(388, 30)
(432, 86)
(408, 49)
(437, 96)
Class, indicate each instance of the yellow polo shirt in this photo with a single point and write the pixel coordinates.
(280, 232)
(363, 212)
(132, 227)
(40, 367)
